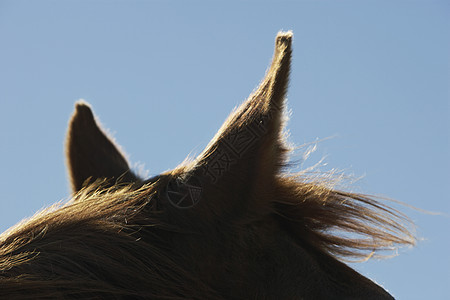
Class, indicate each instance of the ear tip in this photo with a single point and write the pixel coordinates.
(284, 38)
(83, 108)
(82, 105)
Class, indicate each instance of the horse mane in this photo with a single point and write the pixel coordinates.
(349, 226)
(51, 242)
(309, 208)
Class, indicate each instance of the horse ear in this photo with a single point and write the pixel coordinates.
(90, 154)
(246, 154)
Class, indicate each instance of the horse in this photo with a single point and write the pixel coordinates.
(232, 223)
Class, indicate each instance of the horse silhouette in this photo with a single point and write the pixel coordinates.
(232, 223)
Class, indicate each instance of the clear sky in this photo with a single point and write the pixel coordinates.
(163, 75)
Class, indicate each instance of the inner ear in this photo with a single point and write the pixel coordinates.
(91, 154)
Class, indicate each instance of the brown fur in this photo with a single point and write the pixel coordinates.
(91, 153)
(257, 232)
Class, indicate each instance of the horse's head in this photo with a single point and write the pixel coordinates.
(230, 224)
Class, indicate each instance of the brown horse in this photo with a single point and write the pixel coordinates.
(231, 224)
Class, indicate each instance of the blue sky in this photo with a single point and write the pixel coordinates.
(163, 75)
